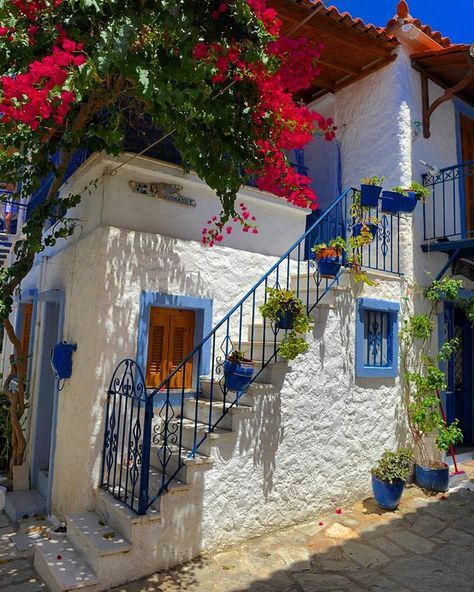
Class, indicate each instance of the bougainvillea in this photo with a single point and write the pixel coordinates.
(217, 74)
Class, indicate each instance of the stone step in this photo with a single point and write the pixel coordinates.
(261, 353)
(211, 440)
(24, 504)
(123, 520)
(62, 567)
(258, 333)
(95, 539)
(173, 460)
(204, 409)
(342, 283)
(256, 389)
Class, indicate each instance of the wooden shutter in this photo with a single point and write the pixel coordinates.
(158, 339)
(467, 148)
(170, 339)
(181, 343)
(27, 315)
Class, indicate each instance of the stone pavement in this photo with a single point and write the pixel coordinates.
(426, 545)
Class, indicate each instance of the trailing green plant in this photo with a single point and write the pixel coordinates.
(338, 244)
(372, 181)
(422, 193)
(279, 303)
(467, 305)
(424, 375)
(393, 467)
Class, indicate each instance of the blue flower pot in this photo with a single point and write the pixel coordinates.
(387, 495)
(238, 375)
(407, 203)
(285, 320)
(329, 267)
(392, 202)
(369, 195)
(357, 229)
(432, 479)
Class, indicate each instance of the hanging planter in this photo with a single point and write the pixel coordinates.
(433, 478)
(369, 195)
(329, 258)
(407, 203)
(390, 202)
(238, 371)
(400, 200)
(370, 189)
(371, 228)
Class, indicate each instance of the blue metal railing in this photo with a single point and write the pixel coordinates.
(447, 213)
(144, 452)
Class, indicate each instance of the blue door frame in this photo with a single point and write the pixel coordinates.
(46, 399)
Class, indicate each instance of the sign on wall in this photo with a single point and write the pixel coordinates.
(165, 191)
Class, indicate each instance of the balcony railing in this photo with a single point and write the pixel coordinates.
(449, 213)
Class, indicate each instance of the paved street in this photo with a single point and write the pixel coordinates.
(428, 544)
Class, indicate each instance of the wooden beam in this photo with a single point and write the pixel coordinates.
(348, 37)
(425, 103)
(340, 67)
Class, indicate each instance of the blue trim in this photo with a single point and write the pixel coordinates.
(203, 325)
(461, 108)
(391, 369)
(58, 297)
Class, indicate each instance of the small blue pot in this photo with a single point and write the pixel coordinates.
(357, 229)
(407, 204)
(285, 320)
(387, 495)
(432, 479)
(369, 195)
(329, 267)
(238, 375)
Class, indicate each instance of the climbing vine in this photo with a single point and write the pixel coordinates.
(217, 75)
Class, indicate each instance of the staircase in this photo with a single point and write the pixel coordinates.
(156, 451)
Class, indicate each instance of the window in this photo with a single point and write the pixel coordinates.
(377, 338)
(170, 339)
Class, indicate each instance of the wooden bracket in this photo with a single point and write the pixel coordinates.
(448, 94)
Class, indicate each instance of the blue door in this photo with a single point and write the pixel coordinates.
(463, 371)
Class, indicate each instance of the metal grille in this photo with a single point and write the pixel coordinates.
(376, 338)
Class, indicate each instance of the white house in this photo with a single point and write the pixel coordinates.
(151, 461)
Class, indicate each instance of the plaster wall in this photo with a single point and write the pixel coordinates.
(102, 276)
(109, 200)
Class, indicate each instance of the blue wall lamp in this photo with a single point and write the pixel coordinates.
(61, 359)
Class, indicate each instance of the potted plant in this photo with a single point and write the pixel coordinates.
(238, 371)
(422, 381)
(288, 313)
(400, 200)
(368, 227)
(389, 477)
(329, 258)
(370, 190)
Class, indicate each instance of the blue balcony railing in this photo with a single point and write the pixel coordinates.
(449, 213)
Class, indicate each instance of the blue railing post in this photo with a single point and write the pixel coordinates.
(145, 468)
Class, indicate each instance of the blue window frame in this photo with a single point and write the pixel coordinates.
(376, 338)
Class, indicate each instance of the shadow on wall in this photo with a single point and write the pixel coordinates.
(425, 545)
(132, 262)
